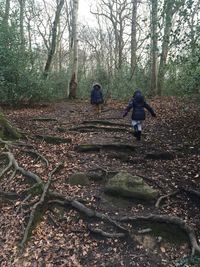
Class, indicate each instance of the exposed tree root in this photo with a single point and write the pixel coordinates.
(8, 131)
(105, 122)
(98, 147)
(191, 192)
(38, 155)
(7, 168)
(160, 199)
(105, 234)
(44, 119)
(10, 196)
(15, 143)
(160, 155)
(33, 178)
(169, 220)
(8, 143)
(38, 208)
(54, 139)
(90, 128)
(49, 198)
(87, 211)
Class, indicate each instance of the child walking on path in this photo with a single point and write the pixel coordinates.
(138, 105)
(96, 98)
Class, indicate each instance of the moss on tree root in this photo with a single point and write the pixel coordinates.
(7, 131)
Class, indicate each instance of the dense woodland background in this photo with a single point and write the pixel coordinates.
(47, 53)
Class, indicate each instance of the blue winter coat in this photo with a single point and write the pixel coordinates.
(96, 95)
(138, 105)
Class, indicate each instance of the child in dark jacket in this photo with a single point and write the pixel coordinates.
(138, 105)
(96, 98)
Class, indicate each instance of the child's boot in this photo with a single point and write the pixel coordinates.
(135, 133)
(139, 133)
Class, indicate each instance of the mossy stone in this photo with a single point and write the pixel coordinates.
(78, 179)
(126, 185)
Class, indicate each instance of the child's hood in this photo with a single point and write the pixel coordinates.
(96, 85)
(138, 97)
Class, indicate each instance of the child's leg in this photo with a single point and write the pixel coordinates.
(139, 125)
(100, 108)
(96, 108)
(135, 125)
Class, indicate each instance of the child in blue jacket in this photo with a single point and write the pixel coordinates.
(138, 105)
(96, 97)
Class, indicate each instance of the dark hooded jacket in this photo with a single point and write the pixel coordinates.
(138, 105)
(96, 94)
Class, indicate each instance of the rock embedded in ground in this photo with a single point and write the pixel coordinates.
(125, 184)
(79, 179)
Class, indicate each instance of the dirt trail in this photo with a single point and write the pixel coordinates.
(168, 157)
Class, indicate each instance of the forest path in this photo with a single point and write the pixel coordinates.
(168, 157)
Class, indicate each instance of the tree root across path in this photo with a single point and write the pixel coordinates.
(105, 122)
(44, 119)
(90, 128)
(169, 220)
(98, 147)
(38, 156)
(53, 139)
(37, 209)
(103, 125)
(49, 199)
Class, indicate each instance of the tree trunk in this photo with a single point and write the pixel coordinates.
(30, 42)
(6, 14)
(21, 23)
(133, 37)
(165, 43)
(53, 39)
(73, 80)
(170, 8)
(154, 40)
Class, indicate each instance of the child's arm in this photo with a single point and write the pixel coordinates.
(92, 97)
(101, 94)
(128, 108)
(150, 109)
